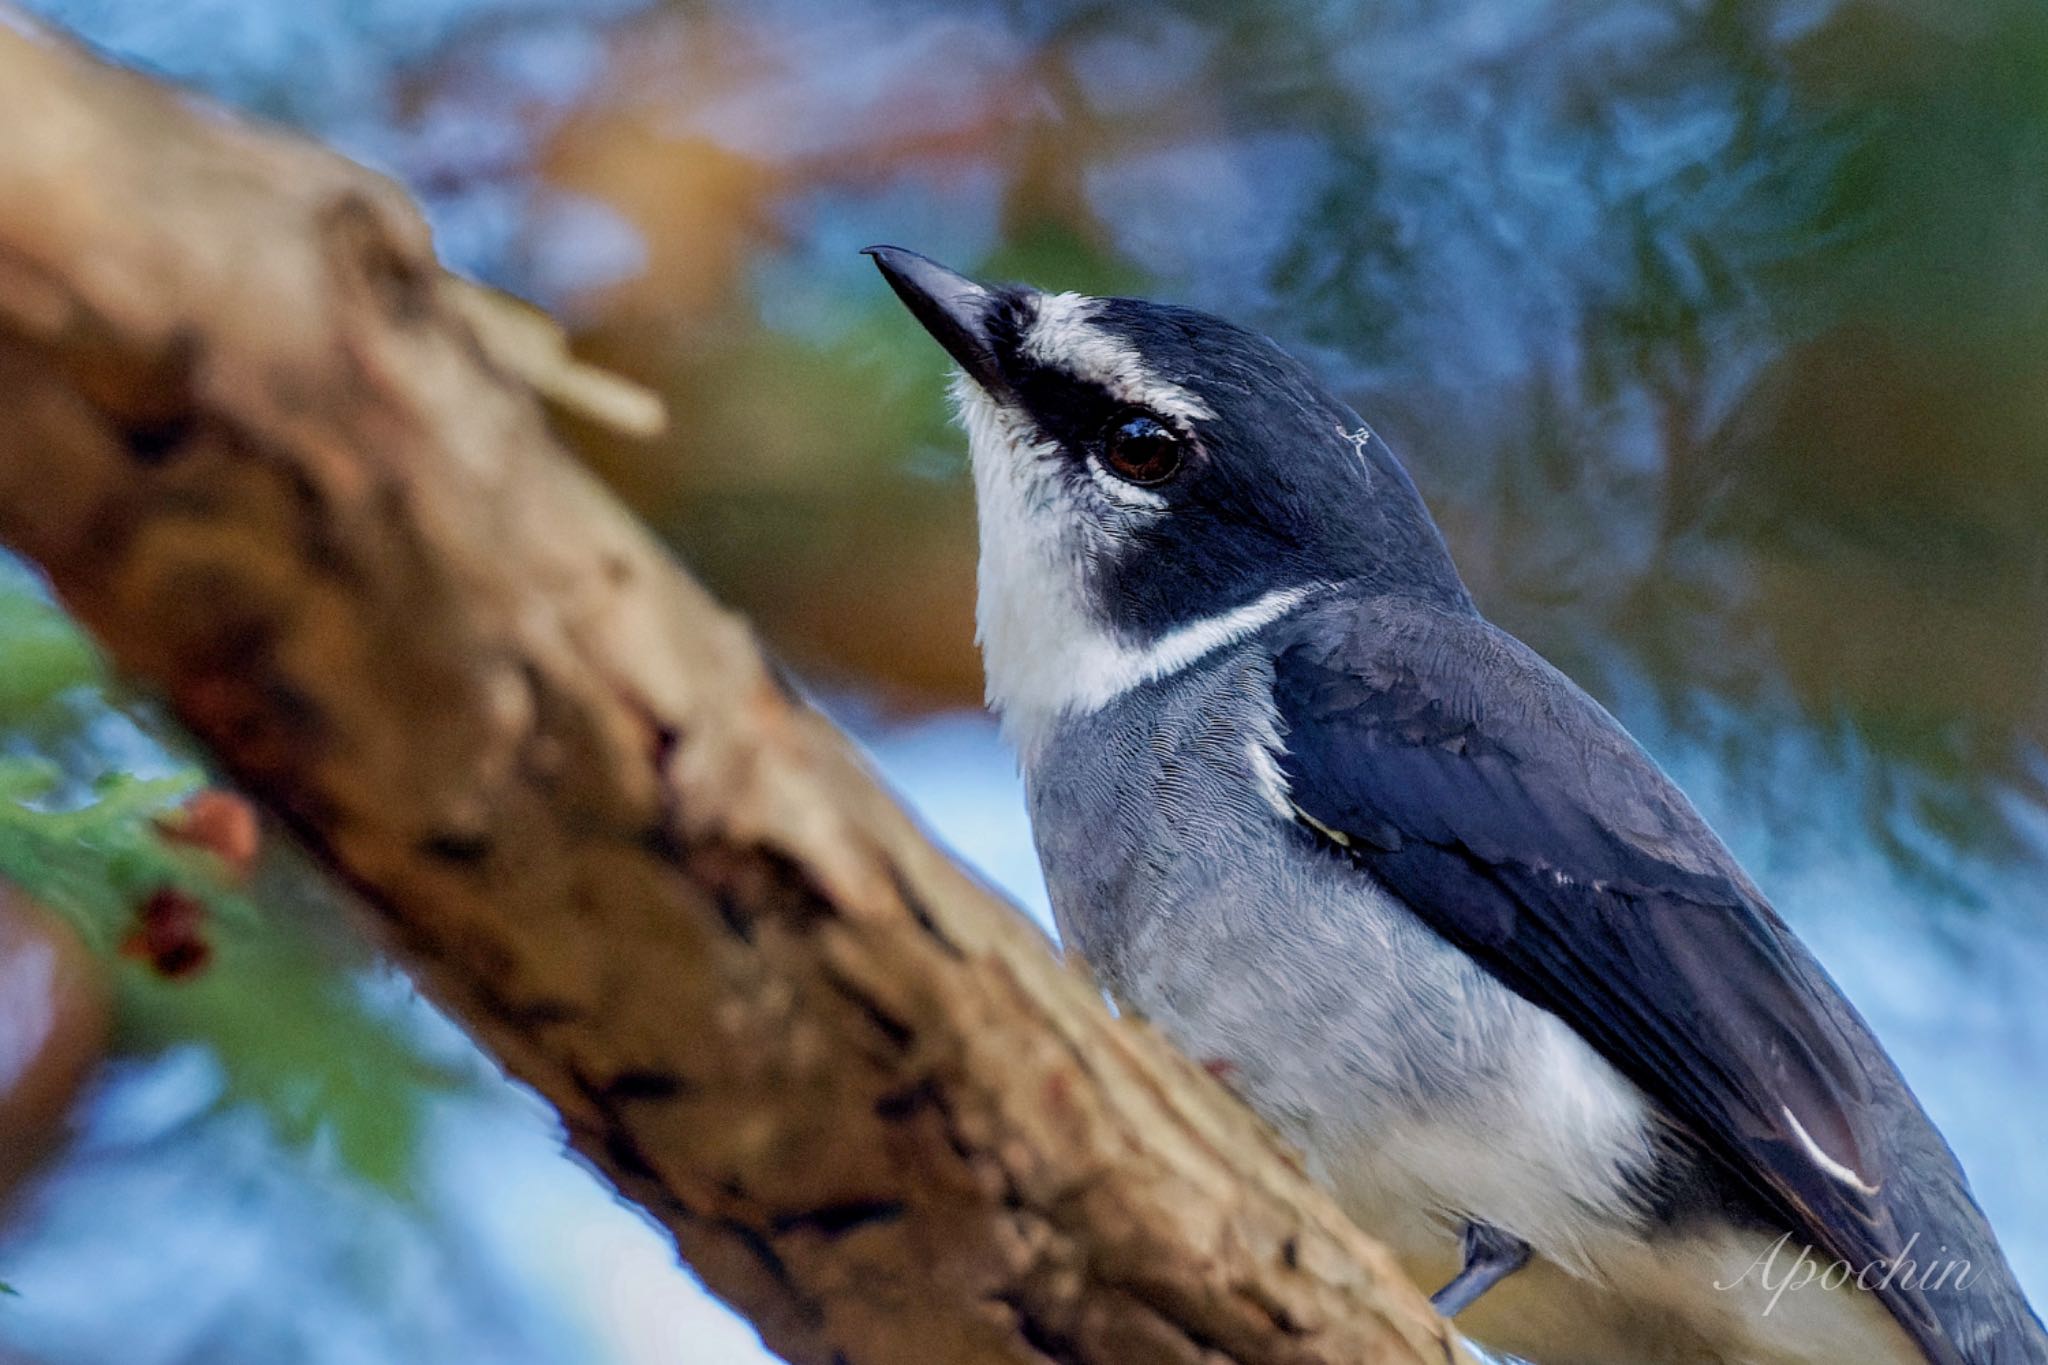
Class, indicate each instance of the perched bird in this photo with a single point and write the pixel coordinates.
(1424, 902)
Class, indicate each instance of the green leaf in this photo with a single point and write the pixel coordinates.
(280, 1006)
(46, 655)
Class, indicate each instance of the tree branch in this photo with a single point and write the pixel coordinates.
(255, 440)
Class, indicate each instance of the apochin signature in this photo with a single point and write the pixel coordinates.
(1805, 1269)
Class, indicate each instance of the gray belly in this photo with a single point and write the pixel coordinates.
(1422, 1090)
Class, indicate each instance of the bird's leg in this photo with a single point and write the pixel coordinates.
(1490, 1257)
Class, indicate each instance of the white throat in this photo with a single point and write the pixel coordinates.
(1045, 651)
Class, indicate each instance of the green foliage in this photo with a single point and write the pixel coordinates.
(96, 861)
(297, 1039)
(45, 655)
(280, 1005)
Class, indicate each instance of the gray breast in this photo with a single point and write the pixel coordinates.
(1347, 1021)
(1174, 874)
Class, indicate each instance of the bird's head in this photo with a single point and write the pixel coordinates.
(1151, 482)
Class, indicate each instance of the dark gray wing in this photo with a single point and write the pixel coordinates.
(1518, 818)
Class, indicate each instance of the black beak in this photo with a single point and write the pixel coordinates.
(953, 308)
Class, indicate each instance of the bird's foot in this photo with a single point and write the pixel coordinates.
(1490, 1257)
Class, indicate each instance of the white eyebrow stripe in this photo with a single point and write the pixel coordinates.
(1064, 334)
(1835, 1169)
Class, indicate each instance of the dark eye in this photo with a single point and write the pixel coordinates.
(1141, 449)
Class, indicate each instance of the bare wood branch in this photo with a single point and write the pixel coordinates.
(257, 445)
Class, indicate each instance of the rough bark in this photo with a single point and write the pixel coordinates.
(254, 438)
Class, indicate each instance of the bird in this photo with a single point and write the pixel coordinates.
(1421, 901)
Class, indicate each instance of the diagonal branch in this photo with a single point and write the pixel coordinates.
(255, 441)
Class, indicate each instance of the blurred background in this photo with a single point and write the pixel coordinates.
(1715, 332)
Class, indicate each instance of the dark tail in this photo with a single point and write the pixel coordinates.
(1971, 1309)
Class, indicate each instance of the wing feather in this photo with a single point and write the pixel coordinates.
(1511, 812)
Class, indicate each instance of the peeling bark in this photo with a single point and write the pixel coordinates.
(262, 448)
